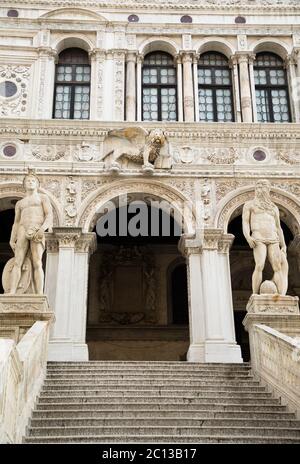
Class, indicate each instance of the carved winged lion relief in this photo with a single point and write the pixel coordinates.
(135, 145)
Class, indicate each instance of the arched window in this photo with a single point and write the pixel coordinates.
(159, 88)
(215, 88)
(271, 88)
(72, 85)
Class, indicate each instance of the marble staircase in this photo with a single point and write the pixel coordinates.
(157, 402)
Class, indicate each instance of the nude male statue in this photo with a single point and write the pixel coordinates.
(263, 232)
(33, 216)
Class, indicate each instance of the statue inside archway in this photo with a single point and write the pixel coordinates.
(33, 216)
(263, 232)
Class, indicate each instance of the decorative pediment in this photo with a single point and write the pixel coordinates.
(73, 14)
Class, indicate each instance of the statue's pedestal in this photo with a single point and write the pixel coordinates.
(19, 312)
(276, 311)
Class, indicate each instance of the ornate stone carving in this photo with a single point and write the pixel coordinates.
(33, 216)
(67, 236)
(289, 157)
(47, 152)
(86, 152)
(185, 154)
(223, 156)
(262, 230)
(273, 304)
(16, 104)
(134, 144)
(70, 201)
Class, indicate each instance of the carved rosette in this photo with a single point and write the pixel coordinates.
(18, 76)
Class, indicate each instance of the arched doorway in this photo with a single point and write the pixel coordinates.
(178, 293)
(7, 216)
(242, 266)
(129, 284)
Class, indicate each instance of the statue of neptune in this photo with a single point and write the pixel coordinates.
(33, 216)
(263, 232)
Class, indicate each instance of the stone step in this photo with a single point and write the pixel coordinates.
(81, 380)
(157, 439)
(137, 406)
(152, 392)
(163, 422)
(177, 413)
(148, 363)
(149, 386)
(162, 431)
(93, 374)
(162, 399)
(138, 370)
(126, 374)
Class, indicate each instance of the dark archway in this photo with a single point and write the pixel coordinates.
(178, 293)
(128, 307)
(6, 220)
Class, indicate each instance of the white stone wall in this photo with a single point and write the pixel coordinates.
(210, 166)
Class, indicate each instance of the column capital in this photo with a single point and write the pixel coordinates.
(187, 56)
(131, 56)
(47, 52)
(190, 244)
(140, 58)
(97, 53)
(67, 236)
(216, 239)
(243, 57)
(86, 243)
(290, 60)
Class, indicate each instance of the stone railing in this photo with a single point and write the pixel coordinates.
(275, 359)
(22, 372)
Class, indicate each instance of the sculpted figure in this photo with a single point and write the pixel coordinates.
(263, 232)
(33, 216)
(135, 144)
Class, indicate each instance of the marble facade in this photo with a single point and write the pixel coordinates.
(207, 174)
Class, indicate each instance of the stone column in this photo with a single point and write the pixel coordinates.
(68, 291)
(97, 88)
(297, 59)
(130, 86)
(179, 88)
(188, 86)
(236, 88)
(294, 87)
(212, 334)
(43, 83)
(140, 60)
(252, 85)
(196, 93)
(246, 101)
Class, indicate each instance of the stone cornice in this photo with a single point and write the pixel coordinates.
(26, 129)
(173, 5)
